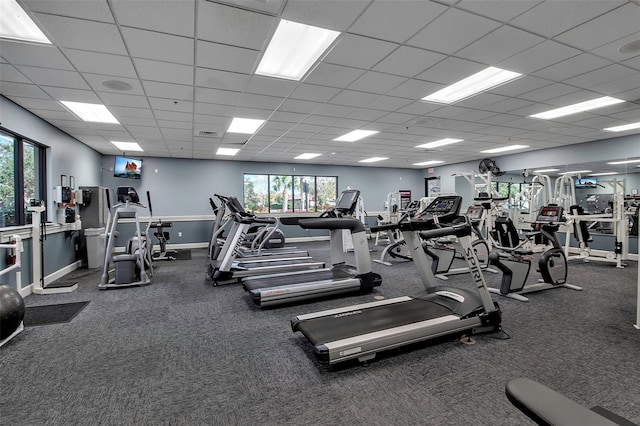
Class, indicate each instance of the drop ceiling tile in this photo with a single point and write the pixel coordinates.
(177, 92)
(388, 103)
(601, 76)
(450, 70)
(56, 78)
(609, 27)
(375, 82)
(97, 10)
(135, 121)
(353, 98)
(171, 124)
(101, 63)
(9, 73)
(420, 108)
(397, 118)
(119, 99)
(227, 58)
(396, 21)
(548, 92)
(288, 117)
(81, 34)
(214, 109)
(215, 96)
(122, 112)
(367, 114)
(337, 15)
(96, 80)
(333, 75)
(248, 100)
(312, 92)
(51, 115)
(152, 15)
(358, 52)
(551, 18)
(622, 85)
(270, 86)
(37, 104)
(444, 34)
(572, 67)
(73, 95)
(539, 56)
(498, 9)
(499, 45)
(334, 111)
(519, 86)
(173, 116)
(233, 26)
(295, 105)
(162, 47)
(164, 71)
(34, 55)
(320, 120)
(206, 77)
(414, 89)
(633, 63)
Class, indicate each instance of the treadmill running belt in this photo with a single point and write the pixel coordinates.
(257, 283)
(336, 327)
(274, 262)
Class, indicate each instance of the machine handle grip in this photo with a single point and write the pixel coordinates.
(460, 230)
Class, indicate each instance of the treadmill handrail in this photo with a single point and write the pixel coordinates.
(350, 223)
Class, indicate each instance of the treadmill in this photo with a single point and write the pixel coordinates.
(286, 288)
(226, 269)
(361, 331)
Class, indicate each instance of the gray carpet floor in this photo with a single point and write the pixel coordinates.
(182, 352)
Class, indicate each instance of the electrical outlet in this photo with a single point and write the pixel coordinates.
(179, 234)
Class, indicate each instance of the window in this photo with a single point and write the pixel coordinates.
(286, 193)
(22, 177)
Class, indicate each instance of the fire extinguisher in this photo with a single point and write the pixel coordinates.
(11, 254)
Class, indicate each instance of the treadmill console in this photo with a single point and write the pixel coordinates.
(550, 213)
(474, 213)
(442, 209)
(347, 202)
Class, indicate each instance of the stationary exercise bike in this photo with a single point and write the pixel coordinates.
(513, 256)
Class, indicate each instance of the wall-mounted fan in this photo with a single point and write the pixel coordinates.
(489, 165)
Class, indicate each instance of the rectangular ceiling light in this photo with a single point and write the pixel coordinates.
(227, 151)
(428, 163)
(356, 135)
(441, 142)
(575, 172)
(127, 146)
(576, 108)
(95, 113)
(244, 125)
(307, 156)
(472, 85)
(293, 49)
(624, 162)
(504, 148)
(545, 170)
(604, 174)
(624, 127)
(16, 24)
(373, 159)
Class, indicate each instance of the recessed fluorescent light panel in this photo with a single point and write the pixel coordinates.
(15, 24)
(441, 142)
(126, 146)
(373, 159)
(428, 163)
(293, 49)
(624, 162)
(624, 127)
(307, 156)
(95, 113)
(504, 149)
(244, 125)
(575, 172)
(576, 108)
(604, 174)
(545, 170)
(356, 135)
(472, 85)
(227, 151)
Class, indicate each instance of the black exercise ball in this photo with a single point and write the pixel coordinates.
(11, 311)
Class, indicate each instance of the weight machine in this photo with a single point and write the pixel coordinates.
(578, 224)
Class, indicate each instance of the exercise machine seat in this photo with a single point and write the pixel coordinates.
(547, 407)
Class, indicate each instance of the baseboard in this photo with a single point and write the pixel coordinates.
(27, 290)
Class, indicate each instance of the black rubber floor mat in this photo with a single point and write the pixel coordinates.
(52, 314)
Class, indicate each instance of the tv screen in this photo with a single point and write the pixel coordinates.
(586, 183)
(129, 168)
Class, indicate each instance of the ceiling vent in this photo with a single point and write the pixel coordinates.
(208, 134)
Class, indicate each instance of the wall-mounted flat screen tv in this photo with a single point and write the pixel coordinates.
(586, 182)
(129, 168)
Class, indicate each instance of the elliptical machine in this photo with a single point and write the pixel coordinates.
(514, 261)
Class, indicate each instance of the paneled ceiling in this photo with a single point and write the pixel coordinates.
(191, 64)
